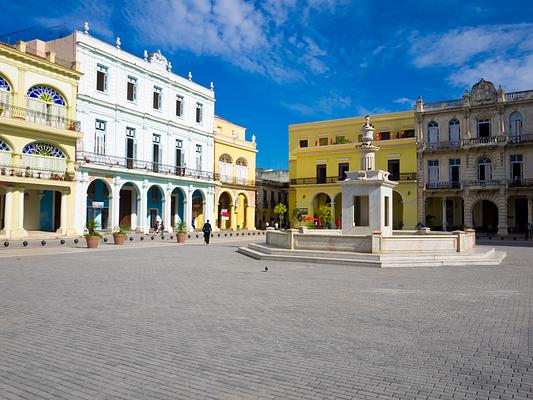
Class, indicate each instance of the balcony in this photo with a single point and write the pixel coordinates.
(34, 166)
(491, 140)
(234, 180)
(9, 111)
(403, 177)
(528, 138)
(315, 180)
(452, 185)
(487, 184)
(443, 145)
(527, 182)
(139, 165)
(525, 94)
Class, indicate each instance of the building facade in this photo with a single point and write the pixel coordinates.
(474, 160)
(235, 176)
(38, 134)
(321, 152)
(147, 151)
(271, 188)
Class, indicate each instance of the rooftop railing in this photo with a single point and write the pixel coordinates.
(141, 165)
(9, 111)
(524, 94)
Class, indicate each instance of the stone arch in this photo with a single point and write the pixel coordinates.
(320, 199)
(99, 198)
(225, 201)
(178, 197)
(228, 192)
(128, 204)
(198, 199)
(485, 215)
(155, 198)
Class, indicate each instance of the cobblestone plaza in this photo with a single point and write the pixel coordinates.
(193, 322)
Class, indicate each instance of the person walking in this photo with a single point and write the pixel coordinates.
(162, 228)
(206, 229)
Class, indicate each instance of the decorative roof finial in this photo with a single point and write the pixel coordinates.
(169, 66)
(189, 76)
(86, 27)
(145, 55)
(253, 138)
(212, 86)
(117, 42)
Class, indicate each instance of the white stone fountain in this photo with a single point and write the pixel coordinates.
(367, 237)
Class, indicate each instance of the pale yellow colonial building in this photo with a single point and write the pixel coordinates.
(38, 135)
(321, 152)
(235, 176)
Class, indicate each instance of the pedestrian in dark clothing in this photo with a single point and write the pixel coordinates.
(206, 229)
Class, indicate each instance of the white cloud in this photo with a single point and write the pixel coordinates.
(327, 105)
(257, 37)
(404, 100)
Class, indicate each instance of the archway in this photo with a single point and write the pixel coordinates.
(154, 206)
(337, 218)
(397, 211)
(197, 209)
(485, 216)
(128, 209)
(177, 206)
(42, 210)
(320, 200)
(224, 208)
(98, 203)
(241, 204)
(433, 213)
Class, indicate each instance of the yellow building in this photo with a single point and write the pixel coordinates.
(235, 175)
(321, 152)
(38, 135)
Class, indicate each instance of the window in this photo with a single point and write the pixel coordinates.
(516, 167)
(433, 171)
(303, 143)
(393, 166)
(265, 197)
(343, 168)
(101, 78)
(484, 169)
(225, 168)
(454, 131)
(455, 169)
(433, 132)
(515, 126)
(199, 157)
(384, 136)
(156, 151)
(5, 91)
(387, 201)
(408, 133)
(179, 106)
(272, 202)
(360, 210)
(241, 171)
(157, 98)
(131, 92)
(321, 173)
(131, 147)
(323, 141)
(483, 128)
(341, 139)
(99, 137)
(179, 153)
(199, 112)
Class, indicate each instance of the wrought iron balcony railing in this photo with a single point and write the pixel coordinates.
(234, 180)
(491, 140)
(34, 166)
(403, 176)
(524, 182)
(521, 138)
(9, 111)
(453, 185)
(443, 145)
(485, 184)
(148, 166)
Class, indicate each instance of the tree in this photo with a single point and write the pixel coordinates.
(297, 216)
(280, 209)
(324, 213)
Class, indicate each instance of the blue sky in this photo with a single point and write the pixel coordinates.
(277, 62)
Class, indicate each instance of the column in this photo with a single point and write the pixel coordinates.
(332, 207)
(64, 210)
(250, 217)
(502, 216)
(167, 202)
(444, 223)
(134, 210)
(530, 210)
(8, 211)
(187, 208)
(143, 226)
(232, 219)
(17, 214)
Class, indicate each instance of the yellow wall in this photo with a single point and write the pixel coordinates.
(303, 161)
(230, 139)
(23, 70)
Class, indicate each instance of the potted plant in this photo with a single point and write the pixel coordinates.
(119, 234)
(92, 237)
(181, 228)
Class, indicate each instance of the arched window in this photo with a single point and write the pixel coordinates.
(241, 171)
(6, 159)
(225, 168)
(47, 106)
(454, 131)
(5, 91)
(484, 169)
(43, 149)
(4, 146)
(515, 125)
(433, 132)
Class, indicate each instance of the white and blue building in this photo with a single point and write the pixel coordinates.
(148, 145)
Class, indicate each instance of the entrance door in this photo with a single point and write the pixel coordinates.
(520, 214)
(57, 211)
(153, 217)
(173, 221)
(125, 208)
(449, 213)
(490, 216)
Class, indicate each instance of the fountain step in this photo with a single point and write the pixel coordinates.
(476, 256)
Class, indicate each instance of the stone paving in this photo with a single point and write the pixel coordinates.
(196, 322)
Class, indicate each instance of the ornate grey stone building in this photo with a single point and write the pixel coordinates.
(475, 158)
